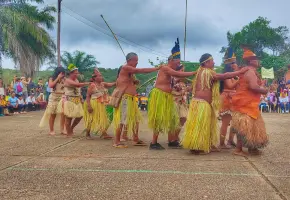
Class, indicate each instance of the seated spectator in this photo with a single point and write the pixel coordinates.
(3, 105)
(22, 105)
(2, 87)
(272, 101)
(13, 104)
(263, 103)
(32, 103)
(40, 100)
(284, 101)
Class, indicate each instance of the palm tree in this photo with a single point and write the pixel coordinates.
(83, 61)
(24, 36)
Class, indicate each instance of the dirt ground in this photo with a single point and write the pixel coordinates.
(34, 165)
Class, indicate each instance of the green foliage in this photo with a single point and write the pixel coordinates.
(23, 35)
(83, 61)
(263, 40)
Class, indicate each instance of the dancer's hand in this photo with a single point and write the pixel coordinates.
(60, 76)
(244, 70)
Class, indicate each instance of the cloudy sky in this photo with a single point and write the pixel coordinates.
(150, 27)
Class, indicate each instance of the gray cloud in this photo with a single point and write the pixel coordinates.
(148, 23)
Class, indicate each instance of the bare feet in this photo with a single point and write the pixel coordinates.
(240, 153)
(124, 139)
(89, 137)
(214, 149)
(63, 132)
(224, 146)
(52, 133)
(105, 136)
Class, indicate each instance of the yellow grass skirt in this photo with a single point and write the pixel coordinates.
(97, 121)
(162, 112)
(51, 109)
(251, 131)
(182, 109)
(201, 128)
(127, 114)
(72, 107)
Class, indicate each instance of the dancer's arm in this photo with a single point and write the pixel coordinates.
(229, 75)
(252, 79)
(134, 70)
(178, 74)
(52, 83)
(108, 85)
(76, 84)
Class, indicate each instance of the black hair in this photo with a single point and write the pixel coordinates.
(57, 71)
(203, 58)
(227, 68)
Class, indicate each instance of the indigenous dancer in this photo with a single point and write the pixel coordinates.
(56, 82)
(228, 90)
(95, 114)
(201, 130)
(247, 121)
(72, 104)
(179, 92)
(162, 114)
(127, 115)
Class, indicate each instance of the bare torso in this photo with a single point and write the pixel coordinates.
(126, 80)
(163, 81)
(228, 82)
(205, 94)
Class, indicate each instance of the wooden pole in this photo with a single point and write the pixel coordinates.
(185, 23)
(58, 31)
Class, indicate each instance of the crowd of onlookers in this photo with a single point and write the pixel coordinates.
(22, 95)
(277, 99)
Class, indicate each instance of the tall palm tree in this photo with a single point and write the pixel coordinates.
(23, 34)
(83, 61)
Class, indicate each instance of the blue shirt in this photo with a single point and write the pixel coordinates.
(13, 101)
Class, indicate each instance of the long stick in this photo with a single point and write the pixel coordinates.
(185, 23)
(113, 35)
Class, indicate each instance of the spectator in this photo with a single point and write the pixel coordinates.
(31, 86)
(263, 103)
(13, 103)
(25, 86)
(40, 100)
(48, 91)
(32, 103)
(3, 105)
(284, 101)
(272, 101)
(40, 85)
(2, 87)
(18, 87)
(22, 105)
(13, 82)
(37, 92)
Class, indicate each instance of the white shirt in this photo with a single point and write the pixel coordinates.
(2, 92)
(30, 100)
(21, 102)
(283, 99)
